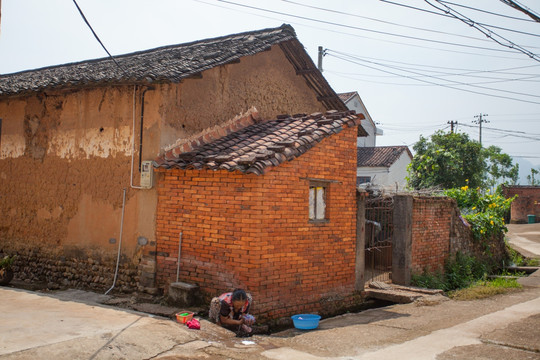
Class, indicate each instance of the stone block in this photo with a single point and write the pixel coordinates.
(183, 294)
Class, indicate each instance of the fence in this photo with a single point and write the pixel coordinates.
(379, 234)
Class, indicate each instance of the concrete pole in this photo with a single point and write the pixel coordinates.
(360, 240)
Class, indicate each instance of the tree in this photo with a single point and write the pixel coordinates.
(453, 160)
(531, 179)
(499, 167)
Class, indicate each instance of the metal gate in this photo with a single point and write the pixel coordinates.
(379, 232)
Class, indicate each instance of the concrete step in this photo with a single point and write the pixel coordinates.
(525, 269)
(395, 296)
(398, 293)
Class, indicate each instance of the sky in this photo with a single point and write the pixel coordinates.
(415, 64)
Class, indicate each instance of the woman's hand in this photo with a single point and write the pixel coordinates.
(248, 320)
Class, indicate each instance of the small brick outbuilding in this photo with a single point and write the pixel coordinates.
(527, 202)
(270, 208)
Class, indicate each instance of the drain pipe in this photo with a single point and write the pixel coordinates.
(133, 139)
(140, 135)
(119, 241)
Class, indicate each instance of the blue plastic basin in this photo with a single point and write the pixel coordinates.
(306, 321)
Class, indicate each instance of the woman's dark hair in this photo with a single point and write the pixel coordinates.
(238, 294)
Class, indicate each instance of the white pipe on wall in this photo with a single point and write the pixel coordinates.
(119, 241)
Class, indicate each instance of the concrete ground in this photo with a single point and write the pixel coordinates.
(76, 325)
(525, 238)
(73, 326)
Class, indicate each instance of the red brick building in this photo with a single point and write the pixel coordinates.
(526, 203)
(269, 208)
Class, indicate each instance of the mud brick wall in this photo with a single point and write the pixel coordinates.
(431, 228)
(252, 232)
(526, 203)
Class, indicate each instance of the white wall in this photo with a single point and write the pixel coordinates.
(355, 103)
(367, 141)
(387, 177)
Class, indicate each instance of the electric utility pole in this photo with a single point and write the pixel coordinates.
(479, 121)
(452, 123)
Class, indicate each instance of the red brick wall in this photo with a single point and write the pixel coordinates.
(253, 232)
(527, 202)
(431, 232)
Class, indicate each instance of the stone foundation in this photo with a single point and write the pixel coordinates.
(76, 268)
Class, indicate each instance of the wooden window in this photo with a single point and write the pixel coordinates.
(318, 192)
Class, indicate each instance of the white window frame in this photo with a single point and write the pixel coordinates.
(318, 202)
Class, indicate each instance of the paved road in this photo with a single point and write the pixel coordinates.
(525, 238)
(74, 325)
(42, 326)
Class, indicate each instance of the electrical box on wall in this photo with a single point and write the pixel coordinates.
(147, 174)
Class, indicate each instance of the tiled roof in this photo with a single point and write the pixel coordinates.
(346, 96)
(174, 63)
(170, 63)
(259, 146)
(380, 156)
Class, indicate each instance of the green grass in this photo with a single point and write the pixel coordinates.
(459, 272)
(518, 259)
(466, 278)
(486, 288)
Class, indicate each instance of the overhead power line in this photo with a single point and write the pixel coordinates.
(523, 9)
(97, 37)
(489, 33)
(382, 21)
(430, 82)
(487, 12)
(519, 134)
(450, 16)
(361, 29)
(465, 72)
(329, 51)
(362, 36)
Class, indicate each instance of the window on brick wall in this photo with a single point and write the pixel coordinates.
(318, 192)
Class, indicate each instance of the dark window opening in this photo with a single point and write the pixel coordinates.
(362, 179)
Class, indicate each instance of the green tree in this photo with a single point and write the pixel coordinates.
(446, 161)
(531, 178)
(499, 167)
(453, 160)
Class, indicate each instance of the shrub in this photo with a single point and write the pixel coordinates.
(485, 212)
(7, 262)
(460, 272)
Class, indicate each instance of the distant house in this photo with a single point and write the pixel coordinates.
(353, 102)
(74, 137)
(384, 166)
(527, 202)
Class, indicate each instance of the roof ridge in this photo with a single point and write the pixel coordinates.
(283, 27)
(170, 63)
